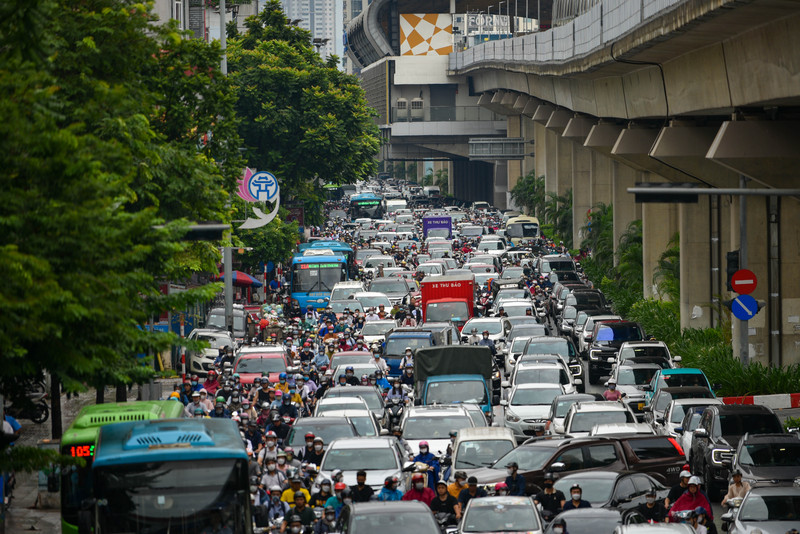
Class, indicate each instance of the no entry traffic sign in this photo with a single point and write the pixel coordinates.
(744, 281)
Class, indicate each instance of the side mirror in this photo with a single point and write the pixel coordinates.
(679, 430)
(505, 384)
(677, 359)
(660, 420)
(384, 432)
(558, 467)
(578, 382)
(647, 387)
(503, 402)
(727, 517)
(700, 433)
(408, 466)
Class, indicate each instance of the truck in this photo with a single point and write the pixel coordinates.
(448, 298)
(440, 223)
(454, 374)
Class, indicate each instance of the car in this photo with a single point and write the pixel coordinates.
(392, 517)
(370, 394)
(674, 378)
(380, 457)
(339, 403)
(613, 489)
(689, 423)
(495, 247)
(512, 293)
(554, 262)
(433, 424)
(374, 264)
(655, 528)
(432, 268)
(585, 336)
(562, 346)
(559, 408)
(371, 299)
(242, 323)
(649, 349)
(348, 357)
(397, 289)
(498, 328)
(582, 416)
(344, 290)
(261, 360)
(595, 520)
(339, 306)
(606, 340)
(552, 372)
(769, 510)
(501, 514)
(200, 362)
(476, 413)
(361, 255)
(479, 447)
(527, 407)
(480, 268)
(328, 428)
(769, 459)
(375, 331)
(363, 420)
(513, 349)
(630, 379)
(675, 412)
(716, 436)
(654, 411)
(613, 429)
(656, 456)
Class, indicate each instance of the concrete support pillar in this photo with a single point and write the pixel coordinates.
(514, 129)
(601, 188)
(540, 148)
(500, 184)
(625, 209)
(564, 165)
(789, 293)
(529, 134)
(551, 161)
(581, 190)
(695, 268)
(659, 224)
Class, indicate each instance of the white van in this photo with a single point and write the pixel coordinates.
(431, 190)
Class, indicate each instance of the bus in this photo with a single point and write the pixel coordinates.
(176, 475)
(313, 278)
(366, 205)
(522, 228)
(338, 247)
(80, 441)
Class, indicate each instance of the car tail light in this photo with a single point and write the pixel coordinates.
(677, 446)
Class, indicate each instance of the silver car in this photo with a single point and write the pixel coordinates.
(528, 406)
(380, 457)
(768, 510)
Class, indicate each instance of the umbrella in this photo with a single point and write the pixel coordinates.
(242, 279)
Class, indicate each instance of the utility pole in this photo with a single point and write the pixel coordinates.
(744, 331)
(223, 38)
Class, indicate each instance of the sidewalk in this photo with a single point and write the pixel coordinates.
(23, 515)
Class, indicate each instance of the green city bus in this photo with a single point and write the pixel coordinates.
(80, 440)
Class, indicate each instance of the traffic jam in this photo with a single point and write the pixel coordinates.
(425, 367)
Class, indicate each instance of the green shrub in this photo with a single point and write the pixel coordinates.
(791, 422)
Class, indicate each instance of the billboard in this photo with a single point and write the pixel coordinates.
(426, 34)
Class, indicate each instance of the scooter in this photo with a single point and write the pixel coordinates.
(35, 409)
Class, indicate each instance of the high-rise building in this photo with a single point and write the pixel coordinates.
(324, 19)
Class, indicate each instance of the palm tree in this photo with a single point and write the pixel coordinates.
(667, 275)
(630, 270)
(599, 236)
(529, 194)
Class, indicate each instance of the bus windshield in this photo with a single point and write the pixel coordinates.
(522, 230)
(307, 277)
(174, 496)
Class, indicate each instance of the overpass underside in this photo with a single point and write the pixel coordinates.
(706, 92)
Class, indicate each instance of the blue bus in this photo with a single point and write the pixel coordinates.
(172, 475)
(313, 278)
(367, 205)
(338, 247)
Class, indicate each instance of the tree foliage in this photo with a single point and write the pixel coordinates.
(529, 194)
(667, 274)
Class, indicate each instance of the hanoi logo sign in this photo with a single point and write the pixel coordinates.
(259, 187)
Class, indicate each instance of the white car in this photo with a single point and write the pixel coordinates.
(201, 361)
(380, 457)
(616, 429)
(528, 406)
(433, 424)
(479, 447)
(373, 299)
(431, 268)
(648, 349)
(516, 307)
(498, 328)
(375, 331)
(547, 372)
(343, 290)
(374, 264)
(684, 429)
(583, 416)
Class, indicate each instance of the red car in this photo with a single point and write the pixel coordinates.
(254, 362)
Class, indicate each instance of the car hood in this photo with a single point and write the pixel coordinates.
(375, 478)
(631, 392)
(531, 412)
(247, 378)
(753, 527)
(372, 339)
(766, 475)
(487, 475)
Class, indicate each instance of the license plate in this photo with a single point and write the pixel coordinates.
(640, 406)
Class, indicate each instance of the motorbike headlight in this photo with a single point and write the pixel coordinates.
(512, 417)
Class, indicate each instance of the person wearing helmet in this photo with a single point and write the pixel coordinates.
(263, 395)
(473, 338)
(205, 401)
(380, 381)
(576, 501)
(407, 378)
(612, 393)
(325, 492)
(283, 383)
(342, 381)
(189, 411)
(281, 430)
(486, 342)
(211, 384)
(427, 457)
(350, 375)
(692, 498)
(459, 483)
(389, 491)
(361, 491)
(652, 509)
(360, 346)
(379, 362)
(550, 499)
(514, 480)
(199, 413)
(365, 379)
(219, 411)
(501, 489)
(273, 477)
(308, 447)
(703, 522)
(396, 391)
(418, 490)
(314, 456)
(678, 489)
(737, 488)
(306, 353)
(186, 393)
(287, 407)
(408, 358)
(337, 501)
(326, 523)
(559, 526)
(292, 524)
(295, 487)
(251, 432)
(444, 502)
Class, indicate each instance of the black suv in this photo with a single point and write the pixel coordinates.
(606, 341)
(769, 458)
(717, 435)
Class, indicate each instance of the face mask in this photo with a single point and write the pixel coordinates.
(287, 400)
(349, 374)
(270, 467)
(376, 355)
(408, 371)
(253, 489)
(348, 500)
(281, 461)
(194, 382)
(282, 380)
(558, 530)
(576, 496)
(317, 448)
(270, 443)
(330, 517)
(700, 519)
(548, 484)
(276, 498)
(423, 450)
(295, 530)
(326, 488)
(418, 486)
(509, 472)
(408, 354)
(650, 499)
(612, 387)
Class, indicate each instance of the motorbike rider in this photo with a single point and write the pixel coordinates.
(270, 449)
(694, 522)
(550, 498)
(560, 526)
(444, 502)
(396, 392)
(419, 491)
(295, 487)
(211, 384)
(189, 411)
(205, 401)
(427, 457)
(612, 393)
(277, 426)
(515, 481)
(703, 520)
(397, 432)
(737, 488)
(287, 408)
(219, 411)
(361, 491)
(261, 396)
(692, 498)
(389, 491)
(340, 493)
(379, 362)
(486, 342)
(321, 358)
(408, 358)
(314, 456)
(322, 496)
(275, 506)
(576, 501)
(283, 384)
(474, 338)
(651, 509)
(186, 393)
(459, 483)
(291, 460)
(678, 489)
(326, 523)
(408, 376)
(350, 375)
(380, 381)
(472, 491)
(273, 477)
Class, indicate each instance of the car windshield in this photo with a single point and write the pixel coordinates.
(500, 517)
(510, 273)
(472, 231)
(361, 458)
(584, 421)
(376, 328)
(564, 405)
(546, 375)
(635, 377)
(482, 268)
(377, 261)
(595, 490)
(363, 424)
(399, 523)
(472, 391)
(510, 293)
(217, 320)
(780, 454)
(556, 346)
(491, 245)
(215, 342)
(373, 301)
(518, 344)
(350, 359)
(427, 427)
(679, 412)
(338, 306)
(537, 396)
(517, 310)
(493, 327)
(328, 432)
(684, 379)
(528, 458)
(430, 268)
(370, 395)
(769, 508)
(557, 265)
(365, 253)
(446, 311)
(591, 525)
(588, 299)
(570, 312)
(612, 332)
(634, 352)
(388, 286)
(396, 346)
(738, 424)
(343, 293)
(254, 364)
(480, 453)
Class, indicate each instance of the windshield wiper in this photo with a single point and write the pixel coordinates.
(460, 461)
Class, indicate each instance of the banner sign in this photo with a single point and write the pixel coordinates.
(259, 187)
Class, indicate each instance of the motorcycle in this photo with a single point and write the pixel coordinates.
(447, 522)
(35, 409)
(394, 412)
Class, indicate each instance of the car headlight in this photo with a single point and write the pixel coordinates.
(594, 355)
(718, 455)
(512, 417)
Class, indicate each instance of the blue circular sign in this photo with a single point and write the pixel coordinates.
(744, 307)
(263, 186)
